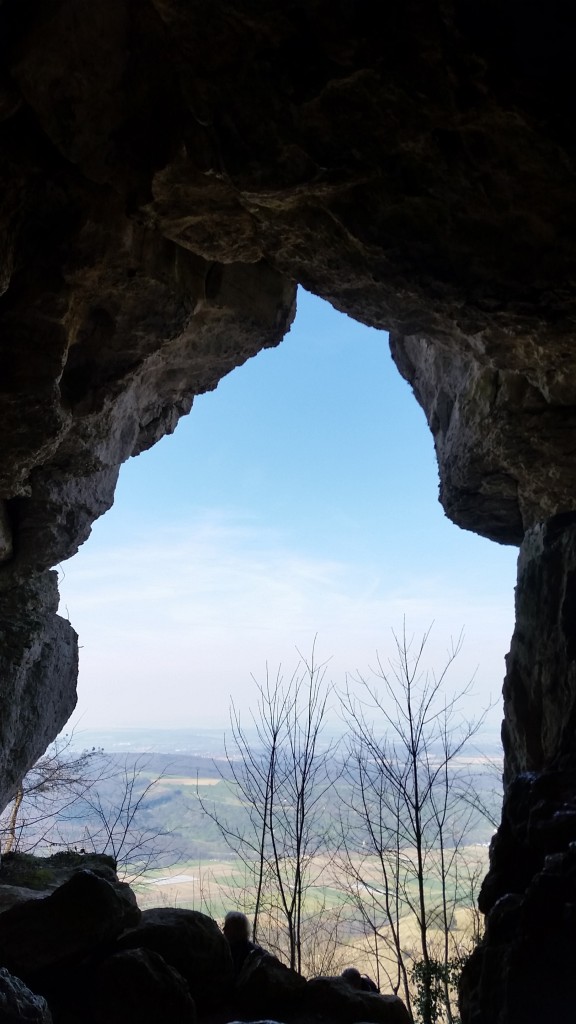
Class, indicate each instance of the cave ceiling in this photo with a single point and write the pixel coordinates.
(171, 169)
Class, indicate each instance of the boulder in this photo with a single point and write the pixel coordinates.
(336, 1000)
(266, 986)
(19, 1004)
(523, 969)
(77, 918)
(135, 985)
(10, 895)
(190, 942)
(44, 874)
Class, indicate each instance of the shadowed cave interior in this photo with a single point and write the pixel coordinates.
(169, 172)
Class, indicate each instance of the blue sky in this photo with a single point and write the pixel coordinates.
(299, 498)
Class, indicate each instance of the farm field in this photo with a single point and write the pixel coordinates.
(185, 837)
(214, 880)
(218, 886)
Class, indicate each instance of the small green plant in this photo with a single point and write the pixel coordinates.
(25, 870)
(436, 982)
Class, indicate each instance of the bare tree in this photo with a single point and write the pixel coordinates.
(325, 940)
(281, 774)
(117, 821)
(412, 807)
(58, 780)
(86, 801)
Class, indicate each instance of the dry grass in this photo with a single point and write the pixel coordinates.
(336, 939)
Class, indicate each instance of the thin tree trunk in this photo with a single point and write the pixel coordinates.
(11, 830)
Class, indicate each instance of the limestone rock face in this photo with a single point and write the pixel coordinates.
(492, 425)
(169, 170)
(158, 163)
(540, 687)
(521, 971)
(38, 669)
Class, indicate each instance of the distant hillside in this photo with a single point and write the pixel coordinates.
(156, 794)
(180, 785)
(202, 742)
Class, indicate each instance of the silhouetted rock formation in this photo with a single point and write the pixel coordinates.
(266, 987)
(82, 915)
(193, 944)
(136, 985)
(529, 896)
(334, 999)
(84, 953)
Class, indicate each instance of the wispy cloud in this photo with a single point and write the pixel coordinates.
(176, 621)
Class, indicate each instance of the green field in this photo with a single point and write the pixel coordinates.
(174, 854)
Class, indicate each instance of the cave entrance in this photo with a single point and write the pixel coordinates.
(298, 498)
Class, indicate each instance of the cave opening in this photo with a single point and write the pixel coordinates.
(297, 499)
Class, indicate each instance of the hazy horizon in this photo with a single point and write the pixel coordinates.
(205, 741)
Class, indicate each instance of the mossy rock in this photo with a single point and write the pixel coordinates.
(47, 873)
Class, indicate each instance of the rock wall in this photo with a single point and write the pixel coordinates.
(170, 170)
(522, 970)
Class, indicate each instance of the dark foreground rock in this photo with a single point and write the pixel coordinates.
(265, 986)
(44, 874)
(193, 944)
(523, 970)
(333, 999)
(135, 985)
(84, 954)
(18, 1005)
(76, 919)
